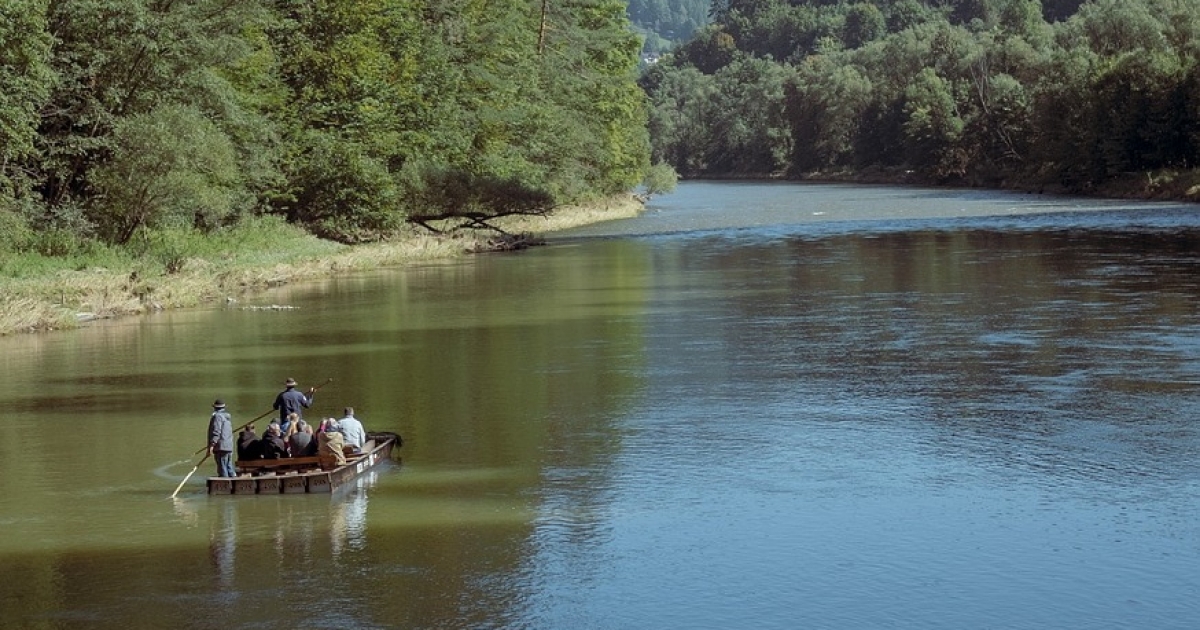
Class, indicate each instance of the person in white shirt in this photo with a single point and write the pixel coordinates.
(352, 430)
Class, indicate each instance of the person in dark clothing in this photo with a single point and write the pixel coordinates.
(301, 442)
(291, 400)
(248, 445)
(272, 444)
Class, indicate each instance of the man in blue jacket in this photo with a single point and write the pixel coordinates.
(220, 439)
(291, 400)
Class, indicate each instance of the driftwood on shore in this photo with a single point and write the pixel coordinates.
(507, 243)
(444, 222)
(501, 241)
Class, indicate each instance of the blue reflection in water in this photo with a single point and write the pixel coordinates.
(947, 422)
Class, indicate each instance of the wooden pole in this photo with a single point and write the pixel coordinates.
(189, 475)
(261, 416)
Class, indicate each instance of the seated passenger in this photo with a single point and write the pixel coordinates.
(248, 447)
(353, 431)
(288, 427)
(273, 446)
(301, 441)
(330, 443)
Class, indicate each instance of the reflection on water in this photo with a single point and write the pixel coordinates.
(341, 524)
(773, 406)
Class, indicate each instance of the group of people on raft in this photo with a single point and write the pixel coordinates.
(289, 436)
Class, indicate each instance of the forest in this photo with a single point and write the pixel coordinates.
(663, 24)
(123, 118)
(1061, 95)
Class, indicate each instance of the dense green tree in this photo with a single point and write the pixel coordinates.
(976, 91)
(749, 130)
(966, 12)
(711, 50)
(589, 67)
(1118, 26)
(1023, 18)
(115, 61)
(341, 191)
(25, 83)
(780, 31)
(342, 112)
(681, 106)
(1140, 128)
(904, 14)
(121, 116)
(933, 127)
(864, 23)
(826, 106)
(1062, 119)
(170, 166)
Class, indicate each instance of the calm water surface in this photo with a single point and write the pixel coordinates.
(756, 406)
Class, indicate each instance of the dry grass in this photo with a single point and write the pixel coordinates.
(27, 314)
(63, 299)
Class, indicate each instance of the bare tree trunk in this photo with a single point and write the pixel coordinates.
(542, 29)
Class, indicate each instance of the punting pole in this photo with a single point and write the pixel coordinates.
(263, 415)
(189, 475)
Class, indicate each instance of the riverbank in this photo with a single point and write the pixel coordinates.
(1163, 185)
(240, 263)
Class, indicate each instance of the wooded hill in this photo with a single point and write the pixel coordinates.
(1063, 94)
(666, 23)
(345, 116)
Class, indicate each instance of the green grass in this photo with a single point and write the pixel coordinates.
(181, 268)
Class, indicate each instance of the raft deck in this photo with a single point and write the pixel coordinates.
(299, 475)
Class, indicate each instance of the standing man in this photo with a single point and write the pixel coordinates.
(220, 439)
(291, 401)
(352, 430)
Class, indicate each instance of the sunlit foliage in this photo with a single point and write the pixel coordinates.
(1065, 93)
(121, 116)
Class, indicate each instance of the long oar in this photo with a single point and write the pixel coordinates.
(189, 475)
(262, 415)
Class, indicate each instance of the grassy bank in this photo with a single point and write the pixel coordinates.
(52, 293)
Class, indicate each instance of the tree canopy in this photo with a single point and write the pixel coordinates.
(1064, 93)
(341, 115)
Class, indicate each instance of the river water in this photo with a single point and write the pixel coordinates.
(755, 406)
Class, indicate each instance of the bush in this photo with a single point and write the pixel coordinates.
(15, 231)
(344, 194)
(660, 179)
(169, 247)
(171, 167)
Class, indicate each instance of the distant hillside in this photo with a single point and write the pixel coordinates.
(666, 23)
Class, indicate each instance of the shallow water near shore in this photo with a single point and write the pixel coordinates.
(756, 405)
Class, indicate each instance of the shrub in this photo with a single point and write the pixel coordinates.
(171, 166)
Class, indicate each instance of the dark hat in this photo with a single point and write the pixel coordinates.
(218, 404)
(291, 382)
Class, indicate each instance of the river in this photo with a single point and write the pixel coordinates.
(758, 405)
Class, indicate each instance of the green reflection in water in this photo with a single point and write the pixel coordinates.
(475, 363)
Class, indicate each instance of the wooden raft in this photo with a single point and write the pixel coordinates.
(299, 475)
